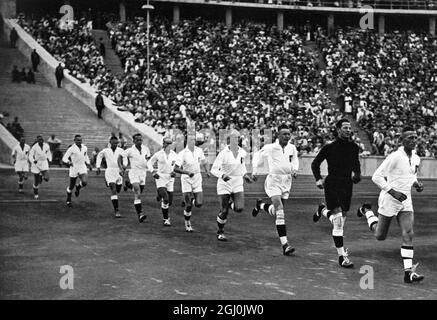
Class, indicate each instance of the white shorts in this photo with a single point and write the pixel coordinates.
(39, 167)
(21, 166)
(76, 171)
(137, 176)
(112, 175)
(165, 181)
(234, 185)
(278, 185)
(193, 184)
(390, 207)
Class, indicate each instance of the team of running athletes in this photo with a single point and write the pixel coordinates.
(395, 177)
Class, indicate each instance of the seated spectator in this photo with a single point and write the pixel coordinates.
(16, 75)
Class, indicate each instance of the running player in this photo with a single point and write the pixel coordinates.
(137, 156)
(113, 156)
(20, 159)
(188, 165)
(283, 164)
(39, 157)
(76, 158)
(162, 164)
(342, 158)
(395, 177)
(230, 169)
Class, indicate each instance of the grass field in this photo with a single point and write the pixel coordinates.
(122, 259)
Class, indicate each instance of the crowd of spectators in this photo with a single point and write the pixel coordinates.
(251, 76)
(393, 79)
(13, 127)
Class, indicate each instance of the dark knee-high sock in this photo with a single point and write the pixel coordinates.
(114, 200)
(164, 208)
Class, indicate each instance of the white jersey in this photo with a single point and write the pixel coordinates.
(190, 161)
(40, 154)
(79, 156)
(227, 164)
(165, 162)
(21, 154)
(280, 161)
(138, 160)
(110, 156)
(400, 171)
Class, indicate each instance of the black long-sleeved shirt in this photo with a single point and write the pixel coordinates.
(342, 158)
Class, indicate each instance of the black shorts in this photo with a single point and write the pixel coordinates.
(338, 193)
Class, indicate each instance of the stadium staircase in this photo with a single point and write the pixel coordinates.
(112, 61)
(43, 109)
(334, 94)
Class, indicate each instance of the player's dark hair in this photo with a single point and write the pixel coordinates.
(340, 122)
(113, 138)
(136, 135)
(77, 136)
(283, 126)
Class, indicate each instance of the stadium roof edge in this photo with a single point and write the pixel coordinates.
(301, 8)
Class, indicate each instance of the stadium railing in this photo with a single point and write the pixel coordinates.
(376, 4)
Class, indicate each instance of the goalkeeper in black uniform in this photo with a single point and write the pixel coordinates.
(342, 159)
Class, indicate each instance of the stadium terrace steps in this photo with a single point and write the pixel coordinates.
(112, 61)
(42, 109)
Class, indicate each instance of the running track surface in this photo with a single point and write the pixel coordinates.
(122, 259)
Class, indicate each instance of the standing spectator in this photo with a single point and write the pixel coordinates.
(55, 145)
(59, 73)
(102, 48)
(34, 58)
(100, 104)
(16, 75)
(30, 76)
(13, 37)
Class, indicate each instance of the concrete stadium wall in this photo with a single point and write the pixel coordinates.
(427, 170)
(7, 143)
(8, 8)
(122, 121)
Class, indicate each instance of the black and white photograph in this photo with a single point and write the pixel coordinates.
(216, 156)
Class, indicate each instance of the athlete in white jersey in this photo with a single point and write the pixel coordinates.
(39, 157)
(76, 157)
(283, 164)
(20, 159)
(162, 164)
(395, 177)
(137, 156)
(113, 156)
(230, 169)
(188, 165)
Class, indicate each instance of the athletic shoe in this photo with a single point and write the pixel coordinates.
(36, 197)
(117, 214)
(167, 222)
(188, 227)
(287, 250)
(221, 237)
(141, 217)
(361, 210)
(69, 204)
(344, 261)
(20, 191)
(411, 276)
(318, 214)
(257, 208)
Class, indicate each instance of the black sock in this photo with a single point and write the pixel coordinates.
(338, 241)
(118, 188)
(137, 204)
(114, 200)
